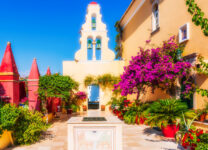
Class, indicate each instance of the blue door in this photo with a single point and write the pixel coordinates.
(94, 94)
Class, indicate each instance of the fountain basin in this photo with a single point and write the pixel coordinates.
(94, 133)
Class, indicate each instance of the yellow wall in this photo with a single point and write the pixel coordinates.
(79, 70)
(172, 15)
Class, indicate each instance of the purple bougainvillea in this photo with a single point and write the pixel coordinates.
(81, 95)
(156, 68)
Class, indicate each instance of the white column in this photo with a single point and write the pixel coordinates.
(94, 44)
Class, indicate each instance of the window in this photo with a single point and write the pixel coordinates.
(93, 23)
(89, 49)
(155, 16)
(184, 33)
(98, 49)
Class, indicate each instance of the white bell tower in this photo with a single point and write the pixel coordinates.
(94, 40)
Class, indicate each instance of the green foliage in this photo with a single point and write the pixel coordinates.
(204, 138)
(198, 16)
(202, 66)
(119, 47)
(56, 85)
(74, 107)
(105, 80)
(202, 146)
(202, 69)
(8, 117)
(27, 126)
(89, 80)
(202, 92)
(167, 111)
(142, 109)
(117, 102)
(130, 114)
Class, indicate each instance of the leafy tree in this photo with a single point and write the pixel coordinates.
(56, 85)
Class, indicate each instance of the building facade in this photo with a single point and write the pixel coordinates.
(157, 20)
(94, 57)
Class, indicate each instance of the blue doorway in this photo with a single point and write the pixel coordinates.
(94, 97)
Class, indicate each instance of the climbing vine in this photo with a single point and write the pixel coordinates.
(119, 47)
(202, 68)
(105, 80)
(198, 16)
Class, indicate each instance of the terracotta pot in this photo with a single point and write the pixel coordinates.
(206, 117)
(202, 117)
(102, 107)
(84, 108)
(110, 108)
(170, 130)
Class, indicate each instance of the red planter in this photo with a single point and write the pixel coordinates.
(170, 130)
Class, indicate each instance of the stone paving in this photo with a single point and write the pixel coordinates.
(135, 137)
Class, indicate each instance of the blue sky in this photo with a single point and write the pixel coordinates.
(49, 29)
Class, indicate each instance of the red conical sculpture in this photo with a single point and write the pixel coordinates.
(33, 80)
(9, 77)
(34, 72)
(48, 71)
(8, 63)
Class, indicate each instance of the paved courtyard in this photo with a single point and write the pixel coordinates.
(134, 137)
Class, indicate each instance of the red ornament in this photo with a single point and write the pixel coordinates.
(93, 3)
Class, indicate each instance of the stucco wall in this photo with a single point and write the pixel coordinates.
(172, 15)
(79, 70)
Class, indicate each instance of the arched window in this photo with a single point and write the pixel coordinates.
(93, 23)
(98, 49)
(89, 49)
(155, 16)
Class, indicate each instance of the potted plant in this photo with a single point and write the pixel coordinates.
(166, 114)
(84, 107)
(74, 107)
(68, 109)
(203, 113)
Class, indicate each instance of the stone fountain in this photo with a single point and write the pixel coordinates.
(95, 132)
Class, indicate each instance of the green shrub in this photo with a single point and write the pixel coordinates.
(202, 146)
(204, 138)
(74, 107)
(130, 114)
(29, 127)
(8, 117)
(26, 125)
